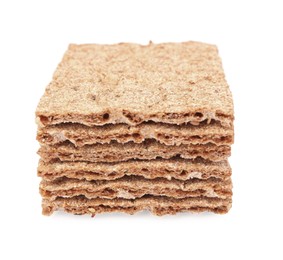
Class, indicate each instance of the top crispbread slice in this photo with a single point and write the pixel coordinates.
(128, 83)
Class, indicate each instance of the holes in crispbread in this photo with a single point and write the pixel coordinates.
(106, 116)
(108, 192)
(136, 135)
(198, 115)
(195, 137)
(134, 118)
(43, 119)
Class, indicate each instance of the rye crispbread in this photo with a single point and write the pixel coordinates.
(116, 152)
(157, 205)
(132, 187)
(173, 83)
(167, 134)
(179, 169)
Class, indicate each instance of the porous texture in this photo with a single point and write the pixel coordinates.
(135, 187)
(127, 127)
(116, 152)
(157, 205)
(173, 83)
(167, 134)
(178, 169)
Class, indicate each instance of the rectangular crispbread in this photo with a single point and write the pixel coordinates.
(173, 83)
(115, 152)
(157, 205)
(133, 187)
(129, 127)
(178, 169)
(167, 134)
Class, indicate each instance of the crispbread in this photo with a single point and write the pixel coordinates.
(167, 134)
(173, 83)
(115, 152)
(133, 187)
(175, 168)
(156, 205)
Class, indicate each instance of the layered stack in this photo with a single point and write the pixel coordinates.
(128, 127)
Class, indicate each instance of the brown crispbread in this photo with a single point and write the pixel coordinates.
(157, 205)
(167, 134)
(133, 187)
(173, 83)
(179, 169)
(129, 127)
(116, 152)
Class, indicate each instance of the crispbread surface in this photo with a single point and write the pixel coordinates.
(157, 205)
(167, 134)
(133, 187)
(116, 152)
(173, 83)
(179, 169)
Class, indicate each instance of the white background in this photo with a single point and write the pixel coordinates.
(33, 38)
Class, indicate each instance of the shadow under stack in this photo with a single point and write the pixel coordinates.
(127, 127)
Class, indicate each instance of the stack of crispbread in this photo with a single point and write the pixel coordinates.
(128, 127)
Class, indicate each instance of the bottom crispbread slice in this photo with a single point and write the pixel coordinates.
(175, 168)
(133, 187)
(156, 205)
(116, 152)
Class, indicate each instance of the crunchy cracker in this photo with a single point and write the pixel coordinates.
(135, 187)
(167, 134)
(115, 152)
(157, 205)
(150, 169)
(173, 83)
